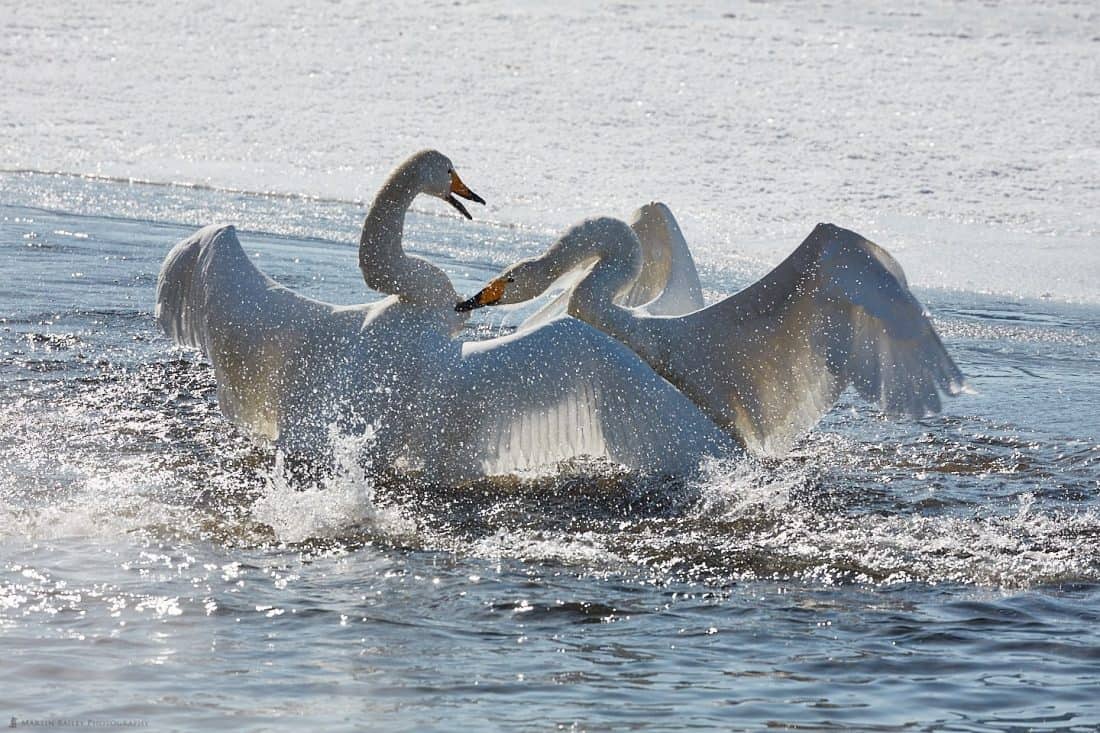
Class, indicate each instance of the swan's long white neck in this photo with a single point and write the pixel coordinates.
(382, 259)
(618, 256)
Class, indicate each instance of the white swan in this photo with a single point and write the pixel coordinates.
(768, 362)
(289, 367)
(667, 284)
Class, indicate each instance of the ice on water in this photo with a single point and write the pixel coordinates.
(963, 138)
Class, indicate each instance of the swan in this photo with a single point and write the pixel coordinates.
(282, 360)
(289, 368)
(668, 283)
(766, 363)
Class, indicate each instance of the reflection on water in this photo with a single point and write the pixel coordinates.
(939, 575)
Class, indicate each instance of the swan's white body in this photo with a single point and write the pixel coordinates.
(668, 283)
(289, 367)
(767, 363)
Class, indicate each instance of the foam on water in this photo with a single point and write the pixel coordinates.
(771, 513)
(103, 506)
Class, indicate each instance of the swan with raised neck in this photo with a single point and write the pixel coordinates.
(382, 258)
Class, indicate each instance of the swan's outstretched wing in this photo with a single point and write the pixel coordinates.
(535, 398)
(253, 330)
(668, 284)
(769, 361)
(208, 291)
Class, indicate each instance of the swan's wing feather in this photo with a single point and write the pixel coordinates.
(211, 297)
(208, 291)
(535, 398)
(669, 282)
(772, 359)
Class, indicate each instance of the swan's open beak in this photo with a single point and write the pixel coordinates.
(459, 188)
(488, 295)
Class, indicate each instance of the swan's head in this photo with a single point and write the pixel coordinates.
(437, 177)
(519, 283)
(500, 291)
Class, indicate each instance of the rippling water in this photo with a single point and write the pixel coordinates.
(157, 565)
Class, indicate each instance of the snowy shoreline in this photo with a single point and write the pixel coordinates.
(961, 138)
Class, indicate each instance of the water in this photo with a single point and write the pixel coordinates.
(157, 566)
(940, 575)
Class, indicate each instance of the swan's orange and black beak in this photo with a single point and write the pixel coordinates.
(458, 188)
(488, 295)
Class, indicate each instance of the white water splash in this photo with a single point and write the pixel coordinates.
(107, 505)
(746, 485)
(342, 499)
(781, 527)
